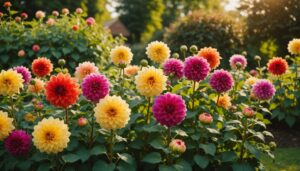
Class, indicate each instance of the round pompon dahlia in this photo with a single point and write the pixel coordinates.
(51, 135)
(26, 75)
(41, 67)
(18, 143)
(95, 87)
(211, 55)
(62, 90)
(277, 66)
(150, 81)
(121, 55)
(196, 68)
(221, 81)
(169, 109)
(263, 90)
(112, 113)
(173, 67)
(236, 60)
(158, 51)
(6, 125)
(85, 69)
(294, 46)
(10, 82)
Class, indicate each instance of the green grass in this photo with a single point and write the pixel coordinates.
(286, 159)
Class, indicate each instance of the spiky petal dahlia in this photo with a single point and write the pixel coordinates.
(95, 87)
(173, 67)
(37, 87)
(158, 51)
(294, 46)
(169, 109)
(131, 70)
(10, 82)
(121, 55)
(277, 66)
(112, 113)
(41, 67)
(85, 69)
(62, 90)
(51, 135)
(211, 55)
(6, 125)
(221, 81)
(150, 81)
(235, 59)
(224, 101)
(195, 68)
(26, 75)
(18, 143)
(263, 90)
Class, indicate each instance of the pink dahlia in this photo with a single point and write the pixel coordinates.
(196, 68)
(95, 87)
(18, 143)
(173, 67)
(221, 81)
(169, 109)
(263, 89)
(26, 75)
(236, 60)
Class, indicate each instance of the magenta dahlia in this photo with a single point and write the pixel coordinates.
(238, 59)
(169, 109)
(26, 74)
(173, 67)
(18, 143)
(263, 89)
(221, 81)
(95, 87)
(196, 68)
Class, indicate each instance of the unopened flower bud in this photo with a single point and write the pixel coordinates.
(248, 112)
(257, 58)
(183, 48)
(79, 11)
(193, 49)
(175, 55)
(177, 146)
(205, 118)
(82, 121)
(61, 62)
(144, 62)
(55, 13)
(65, 11)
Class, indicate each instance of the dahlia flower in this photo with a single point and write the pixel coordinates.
(131, 70)
(6, 125)
(277, 66)
(26, 75)
(39, 15)
(18, 143)
(235, 59)
(263, 90)
(294, 46)
(85, 69)
(224, 101)
(37, 87)
(221, 81)
(250, 81)
(10, 82)
(41, 67)
(248, 112)
(121, 55)
(196, 68)
(211, 55)
(158, 51)
(173, 67)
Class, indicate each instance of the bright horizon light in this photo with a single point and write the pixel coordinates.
(231, 5)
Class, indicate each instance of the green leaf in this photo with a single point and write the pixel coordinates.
(208, 148)
(152, 158)
(181, 133)
(103, 166)
(123, 166)
(252, 149)
(183, 165)
(127, 158)
(56, 54)
(290, 120)
(99, 149)
(242, 167)
(212, 131)
(75, 56)
(157, 143)
(66, 50)
(83, 153)
(4, 58)
(228, 156)
(44, 166)
(163, 167)
(201, 161)
(70, 158)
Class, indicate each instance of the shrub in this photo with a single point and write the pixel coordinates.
(214, 29)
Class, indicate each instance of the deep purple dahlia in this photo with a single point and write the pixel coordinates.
(18, 143)
(26, 75)
(196, 68)
(238, 59)
(221, 81)
(173, 67)
(95, 87)
(169, 109)
(263, 90)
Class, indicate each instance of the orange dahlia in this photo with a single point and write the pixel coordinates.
(211, 55)
(277, 66)
(62, 90)
(41, 67)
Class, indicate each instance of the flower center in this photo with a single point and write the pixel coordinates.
(95, 85)
(7, 82)
(49, 136)
(16, 143)
(158, 51)
(87, 71)
(151, 80)
(111, 112)
(169, 109)
(41, 67)
(60, 90)
(178, 143)
(121, 56)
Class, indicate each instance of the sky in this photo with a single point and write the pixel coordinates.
(232, 5)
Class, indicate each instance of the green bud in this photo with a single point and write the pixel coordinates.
(175, 55)
(257, 58)
(244, 53)
(58, 70)
(193, 49)
(238, 65)
(122, 65)
(183, 48)
(61, 62)
(65, 70)
(32, 82)
(144, 62)
(272, 145)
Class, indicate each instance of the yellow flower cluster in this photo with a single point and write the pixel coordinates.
(121, 54)
(10, 82)
(6, 125)
(158, 51)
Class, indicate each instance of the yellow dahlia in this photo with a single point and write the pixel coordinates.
(6, 125)
(150, 81)
(294, 46)
(121, 54)
(250, 81)
(112, 113)
(51, 135)
(158, 51)
(29, 117)
(224, 101)
(131, 70)
(10, 82)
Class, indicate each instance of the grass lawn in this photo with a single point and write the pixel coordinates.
(286, 159)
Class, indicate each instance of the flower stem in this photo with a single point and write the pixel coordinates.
(148, 119)
(169, 138)
(67, 117)
(193, 95)
(244, 135)
(110, 146)
(13, 112)
(92, 132)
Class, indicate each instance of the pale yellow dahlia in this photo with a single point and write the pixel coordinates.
(51, 135)
(158, 51)
(250, 81)
(121, 54)
(150, 81)
(112, 113)
(131, 70)
(10, 82)
(224, 101)
(294, 46)
(6, 125)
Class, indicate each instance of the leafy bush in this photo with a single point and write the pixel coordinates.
(57, 39)
(215, 29)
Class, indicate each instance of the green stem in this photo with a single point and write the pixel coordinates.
(148, 119)
(67, 117)
(13, 112)
(110, 146)
(218, 98)
(193, 95)
(92, 132)
(244, 135)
